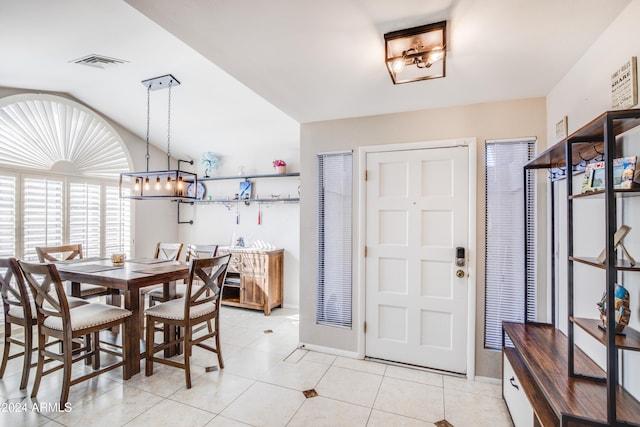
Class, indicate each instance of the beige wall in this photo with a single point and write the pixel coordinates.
(153, 220)
(500, 120)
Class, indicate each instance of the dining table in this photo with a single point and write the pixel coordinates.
(127, 279)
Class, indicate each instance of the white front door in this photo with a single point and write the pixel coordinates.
(417, 214)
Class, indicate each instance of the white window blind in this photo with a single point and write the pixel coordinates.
(117, 228)
(7, 216)
(334, 240)
(84, 217)
(43, 215)
(505, 285)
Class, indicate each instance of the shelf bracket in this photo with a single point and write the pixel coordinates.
(190, 222)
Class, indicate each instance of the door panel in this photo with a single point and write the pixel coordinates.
(417, 214)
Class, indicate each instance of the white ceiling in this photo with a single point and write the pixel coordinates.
(252, 70)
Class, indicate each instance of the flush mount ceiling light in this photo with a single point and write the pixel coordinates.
(164, 184)
(416, 53)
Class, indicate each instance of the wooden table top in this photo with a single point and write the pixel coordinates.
(134, 274)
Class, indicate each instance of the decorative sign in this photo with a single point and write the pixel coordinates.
(624, 86)
(561, 129)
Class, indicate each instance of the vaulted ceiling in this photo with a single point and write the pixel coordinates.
(252, 71)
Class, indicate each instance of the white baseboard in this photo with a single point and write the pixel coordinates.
(329, 350)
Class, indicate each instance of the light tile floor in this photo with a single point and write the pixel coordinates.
(261, 385)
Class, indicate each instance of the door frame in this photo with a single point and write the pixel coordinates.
(363, 151)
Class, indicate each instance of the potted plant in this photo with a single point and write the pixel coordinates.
(280, 166)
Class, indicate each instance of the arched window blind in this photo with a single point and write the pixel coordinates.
(504, 236)
(59, 168)
(335, 200)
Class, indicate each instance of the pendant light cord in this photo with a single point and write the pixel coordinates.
(148, 120)
(169, 128)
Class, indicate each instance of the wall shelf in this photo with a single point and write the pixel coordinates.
(238, 202)
(245, 177)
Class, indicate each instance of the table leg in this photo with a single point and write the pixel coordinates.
(132, 358)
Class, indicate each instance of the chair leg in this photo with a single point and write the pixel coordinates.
(28, 349)
(126, 349)
(96, 350)
(148, 370)
(66, 370)
(218, 351)
(87, 348)
(42, 341)
(187, 354)
(7, 345)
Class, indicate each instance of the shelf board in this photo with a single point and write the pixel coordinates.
(241, 177)
(621, 264)
(587, 141)
(632, 192)
(282, 200)
(630, 341)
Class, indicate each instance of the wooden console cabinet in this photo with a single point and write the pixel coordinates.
(254, 278)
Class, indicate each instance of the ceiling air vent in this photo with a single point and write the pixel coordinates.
(98, 61)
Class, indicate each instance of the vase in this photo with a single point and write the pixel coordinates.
(281, 169)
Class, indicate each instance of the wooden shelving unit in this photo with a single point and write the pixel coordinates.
(547, 362)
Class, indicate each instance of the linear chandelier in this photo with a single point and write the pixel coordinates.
(166, 184)
(416, 53)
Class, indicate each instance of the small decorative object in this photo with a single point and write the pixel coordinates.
(622, 310)
(240, 242)
(196, 191)
(245, 190)
(617, 243)
(280, 166)
(625, 172)
(211, 162)
(118, 259)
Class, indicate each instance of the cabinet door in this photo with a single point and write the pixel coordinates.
(252, 292)
(517, 402)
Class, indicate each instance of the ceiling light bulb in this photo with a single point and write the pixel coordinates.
(146, 183)
(137, 186)
(436, 54)
(158, 185)
(397, 65)
(168, 183)
(180, 181)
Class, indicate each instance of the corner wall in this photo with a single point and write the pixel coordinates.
(500, 120)
(583, 94)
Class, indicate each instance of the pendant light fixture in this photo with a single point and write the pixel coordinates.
(168, 184)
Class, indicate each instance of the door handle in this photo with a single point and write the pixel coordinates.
(512, 380)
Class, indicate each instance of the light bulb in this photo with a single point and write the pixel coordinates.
(137, 186)
(397, 65)
(436, 54)
(168, 187)
(158, 185)
(146, 183)
(180, 182)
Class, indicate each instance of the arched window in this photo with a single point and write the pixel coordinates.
(59, 169)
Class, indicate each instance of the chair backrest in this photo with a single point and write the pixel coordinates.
(14, 291)
(41, 277)
(201, 251)
(212, 273)
(170, 251)
(64, 253)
